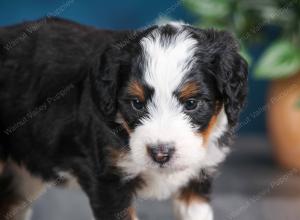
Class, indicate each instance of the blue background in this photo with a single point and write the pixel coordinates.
(115, 14)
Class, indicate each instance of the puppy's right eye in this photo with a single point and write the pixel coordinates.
(190, 104)
(137, 104)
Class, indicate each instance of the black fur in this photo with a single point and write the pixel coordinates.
(69, 133)
(220, 51)
(60, 90)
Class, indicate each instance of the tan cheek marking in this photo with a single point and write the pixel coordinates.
(126, 127)
(207, 132)
(116, 155)
(124, 124)
(136, 89)
(212, 123)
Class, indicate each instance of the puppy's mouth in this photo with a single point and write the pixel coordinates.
(168, 167)
(173, 169)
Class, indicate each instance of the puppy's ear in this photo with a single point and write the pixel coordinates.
(231, 75)
(229, 69)
(105, 74)
(112, 69)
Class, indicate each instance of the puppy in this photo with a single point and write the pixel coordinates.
(147, 113)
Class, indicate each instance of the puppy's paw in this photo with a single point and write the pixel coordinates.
(195, 210)
(28, 215)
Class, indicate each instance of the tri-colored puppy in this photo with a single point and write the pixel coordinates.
(145, 113)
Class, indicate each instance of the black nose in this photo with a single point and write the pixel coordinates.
(161, 153)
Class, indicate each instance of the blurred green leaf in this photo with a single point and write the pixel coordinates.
(245, 54)
(215, 9)
(281, 59)
(251, 22)
(298, 104)
(210, 24)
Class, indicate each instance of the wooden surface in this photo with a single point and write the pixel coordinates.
(249, 187)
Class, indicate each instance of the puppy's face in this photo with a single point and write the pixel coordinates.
(170, 100)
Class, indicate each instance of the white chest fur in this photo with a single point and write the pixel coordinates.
(162, 185)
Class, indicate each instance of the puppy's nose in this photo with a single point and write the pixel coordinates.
(161, 153)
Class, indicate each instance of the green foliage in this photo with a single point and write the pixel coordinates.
(244, 53)
(298, 104)
(215, 11)
(248, 20)
(281, 59)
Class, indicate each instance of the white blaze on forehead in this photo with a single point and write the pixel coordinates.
(167, 60)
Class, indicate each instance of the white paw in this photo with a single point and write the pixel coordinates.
(135, 218)
(193, 211)
(28, 214)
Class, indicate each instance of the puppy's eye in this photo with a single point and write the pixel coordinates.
(137, 104)
(190, 104)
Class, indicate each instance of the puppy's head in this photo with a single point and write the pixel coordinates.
(176, 90)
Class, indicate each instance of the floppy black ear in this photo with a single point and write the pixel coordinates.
(231, 75)
(229, 69)
(105, 73)
(112, 68)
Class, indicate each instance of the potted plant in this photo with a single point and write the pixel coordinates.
(253, 22)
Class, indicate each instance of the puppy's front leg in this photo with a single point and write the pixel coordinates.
(125, 214)
(131, 215)
(192, 203)
(110, 207)
(109, 198)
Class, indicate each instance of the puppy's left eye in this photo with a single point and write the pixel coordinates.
(191, 104)
(137, 104)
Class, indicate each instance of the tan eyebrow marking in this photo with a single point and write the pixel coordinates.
(124, 123)
(188, 90)
(136, 89)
